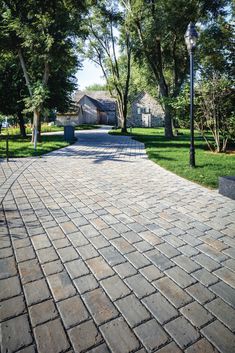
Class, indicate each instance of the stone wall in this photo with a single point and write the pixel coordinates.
(88, 112)
(146, 111)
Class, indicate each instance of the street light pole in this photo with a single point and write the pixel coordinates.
(192, 147)
(190, 40)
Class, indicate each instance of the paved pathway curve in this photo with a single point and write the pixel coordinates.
(103, 251)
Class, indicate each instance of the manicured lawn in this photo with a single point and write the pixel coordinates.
(47, 128)
(19, 147)
(173, 155)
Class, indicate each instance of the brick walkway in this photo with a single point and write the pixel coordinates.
(104, 251)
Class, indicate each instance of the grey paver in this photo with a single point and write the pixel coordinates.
(125, 270)
(84, 336)
(36, 291)
(99, 268)
(179, 276)
(100, 306)
(225, 292)
(160, 260)
(112, 256)
(55, 233)
(172, 292)
(122, 245)
(50, 337)
(200, 293)
(160, 308)
(206, 262)
(151, 335)
(40, 241)
(76, 268)
(61, 286)
(139, 285)
(68, 227)
(11, 307)
(168, 250)
(67, 254)
(85, 283)
(99, 242)
(42, 312)
(205, 277)
(196, 314)
(171, 348)
(115, 287)
(15, 334)
(77, 239)
(47, 255)
(100, 349)
(8, 267)
(182, 332)
(101, 218)
(226, 275)
(223, 312)
(72, 311)
(53, 267)
(137, 260)
(151, 273)
(119, 337)
(9, 287)
(211, 252)
(186, 263)
(132, 310)
(220, 337)
(30, 271)
(30, 349)
(87, 252)
(201, 346)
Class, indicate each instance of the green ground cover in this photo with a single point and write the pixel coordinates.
(173, 155)
(47, 128)
(19, 147)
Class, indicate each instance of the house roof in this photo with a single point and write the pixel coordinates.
(101, 99)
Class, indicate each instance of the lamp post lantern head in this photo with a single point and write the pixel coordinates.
(191, 37)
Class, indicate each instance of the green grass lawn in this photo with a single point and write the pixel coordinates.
(47, 128)
(19, 147)
(173, 155)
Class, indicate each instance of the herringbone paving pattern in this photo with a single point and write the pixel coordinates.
(103, 251)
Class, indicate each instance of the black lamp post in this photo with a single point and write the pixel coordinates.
(190, 40)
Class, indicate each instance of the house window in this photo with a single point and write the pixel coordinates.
(147, 110)
(138, 110)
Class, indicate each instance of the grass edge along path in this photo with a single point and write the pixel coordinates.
(21, 148)
(173, 155)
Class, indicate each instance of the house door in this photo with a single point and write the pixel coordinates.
(103, 118)
(146, 120)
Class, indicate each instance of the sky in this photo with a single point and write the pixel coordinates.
(88, 75)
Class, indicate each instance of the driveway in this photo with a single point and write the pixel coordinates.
(102, 250)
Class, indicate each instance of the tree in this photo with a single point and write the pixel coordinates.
(158, 29)
(41, 34)
(107, 34)
(12, 89)
(215, 111)
(96, 87)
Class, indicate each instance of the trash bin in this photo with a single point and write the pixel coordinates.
(69, 133)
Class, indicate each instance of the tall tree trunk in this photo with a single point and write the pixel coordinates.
(22, 125)
(36, 125)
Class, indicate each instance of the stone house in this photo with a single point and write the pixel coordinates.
(91, 107)
(146, 112)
